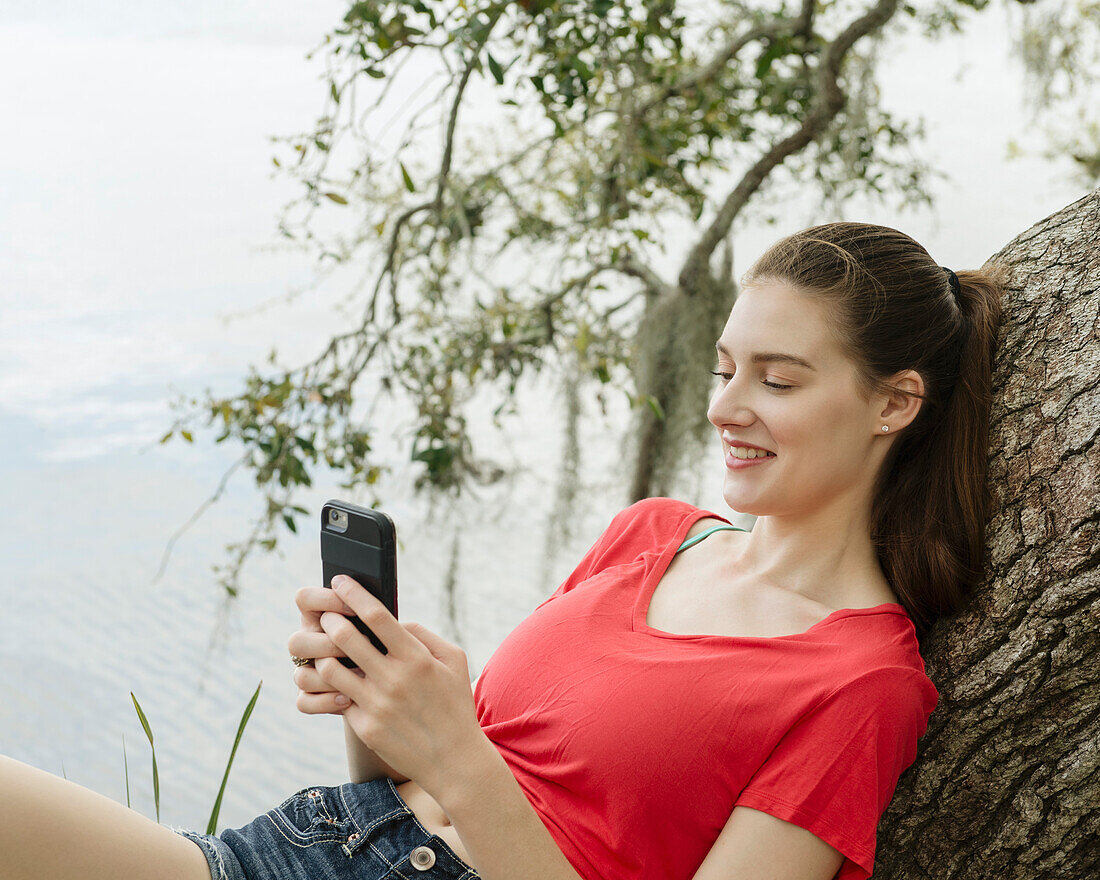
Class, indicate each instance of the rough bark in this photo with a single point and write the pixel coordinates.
(1006, 782)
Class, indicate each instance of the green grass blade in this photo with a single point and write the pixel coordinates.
(126, 767)
(152, 748)
(212, 825)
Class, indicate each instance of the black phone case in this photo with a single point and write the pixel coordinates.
(367, 552)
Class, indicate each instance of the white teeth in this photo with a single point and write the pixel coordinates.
(748, 452)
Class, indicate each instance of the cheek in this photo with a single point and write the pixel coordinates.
(827, 433)
(820, 432)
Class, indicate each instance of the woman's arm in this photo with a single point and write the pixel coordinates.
(414, 707)
(501, 831)
(363, 764)
(757, 844)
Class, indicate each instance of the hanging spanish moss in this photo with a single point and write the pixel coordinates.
(559, 530)
(674, 355)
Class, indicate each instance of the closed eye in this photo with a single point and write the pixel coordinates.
(725, 377)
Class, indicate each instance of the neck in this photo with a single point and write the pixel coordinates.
(826, 556)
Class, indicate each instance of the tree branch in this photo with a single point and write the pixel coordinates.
(830, 102)
(802, 24)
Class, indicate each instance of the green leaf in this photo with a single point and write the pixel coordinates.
(166, 437)
(336, 197)
(408, 180)
(655, 405)
(764, 62)
(361, 12)
(495, 69)
(152, 748)
(213, 823)
(332, 91)
(375, 72)
(126, 768)
(289, 520)
(186, 435)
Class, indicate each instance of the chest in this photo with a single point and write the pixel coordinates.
(696, 595)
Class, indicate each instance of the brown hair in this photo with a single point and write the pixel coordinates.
(893, 308)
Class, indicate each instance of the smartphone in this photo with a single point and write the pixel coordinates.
(361, 543)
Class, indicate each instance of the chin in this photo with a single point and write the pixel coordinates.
(750, 500)
(741, 504)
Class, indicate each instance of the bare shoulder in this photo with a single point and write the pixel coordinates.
(756, 844)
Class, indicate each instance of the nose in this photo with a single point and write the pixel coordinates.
(726, 407)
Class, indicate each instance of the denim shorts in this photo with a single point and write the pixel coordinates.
(360, 830)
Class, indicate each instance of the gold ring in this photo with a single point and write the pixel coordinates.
(300, 661)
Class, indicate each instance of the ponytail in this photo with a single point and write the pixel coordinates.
(933, 500)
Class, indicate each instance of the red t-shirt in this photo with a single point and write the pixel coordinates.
(634, 745)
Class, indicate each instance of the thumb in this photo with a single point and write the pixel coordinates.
(432, 641)
(441, 649)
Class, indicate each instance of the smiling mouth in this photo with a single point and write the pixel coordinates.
(748, 453)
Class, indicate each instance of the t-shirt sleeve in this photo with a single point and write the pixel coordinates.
(610, 546)
(835, 771)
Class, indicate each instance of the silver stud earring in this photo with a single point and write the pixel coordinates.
(886, 427)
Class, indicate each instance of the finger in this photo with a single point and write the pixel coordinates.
(369, 609)
(320, 599)
(440, 648)
(312, 645)
(347, 637)
(319, 704)
(339, 677)
(314, 601)
(309, 680)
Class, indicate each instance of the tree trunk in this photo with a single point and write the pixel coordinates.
(1006, 783)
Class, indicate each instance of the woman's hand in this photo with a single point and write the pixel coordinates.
(315, 695)
(414, 706)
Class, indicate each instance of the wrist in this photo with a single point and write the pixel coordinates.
(467, 773)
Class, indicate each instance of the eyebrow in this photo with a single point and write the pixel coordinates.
(763, 357)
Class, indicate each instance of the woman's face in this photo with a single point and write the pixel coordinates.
(820, 431)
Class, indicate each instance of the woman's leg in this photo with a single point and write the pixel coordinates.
(50, 827)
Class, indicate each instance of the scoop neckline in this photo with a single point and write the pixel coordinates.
(664, 560)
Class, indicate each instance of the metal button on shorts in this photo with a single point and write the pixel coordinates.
(422, 858)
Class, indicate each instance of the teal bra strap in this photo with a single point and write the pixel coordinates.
(691, 541)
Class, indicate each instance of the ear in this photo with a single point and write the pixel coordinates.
(897, 410)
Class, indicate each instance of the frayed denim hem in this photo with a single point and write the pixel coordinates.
(219, 857)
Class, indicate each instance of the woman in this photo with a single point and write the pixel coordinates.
(695, 701)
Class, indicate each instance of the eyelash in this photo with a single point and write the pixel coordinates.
(776, 385)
